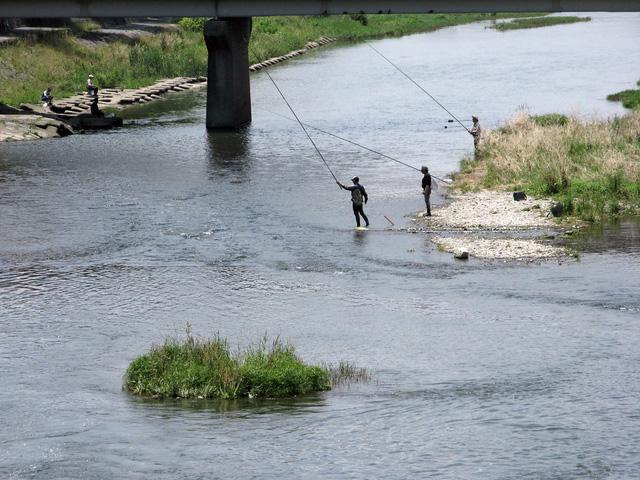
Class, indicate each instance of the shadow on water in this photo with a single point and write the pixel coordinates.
(227, 152)
(620, 235)
(166, 108)
(360, 238)
(243, 406)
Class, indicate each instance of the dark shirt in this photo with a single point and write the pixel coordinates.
(357, 194)
(426, 181)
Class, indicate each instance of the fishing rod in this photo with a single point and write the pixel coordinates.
(417, 85)
(356, 144)
(301, 125)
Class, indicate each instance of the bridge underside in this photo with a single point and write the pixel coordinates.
(252, 8)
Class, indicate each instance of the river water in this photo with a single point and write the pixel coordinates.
(110, 242)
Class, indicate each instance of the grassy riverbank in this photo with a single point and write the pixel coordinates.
(64, 61)
(629, 98)
(199, 368)
(538, 22)
(592, 167)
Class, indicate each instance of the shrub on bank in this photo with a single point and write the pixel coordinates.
(593, 167)
(206, 368)
(550, 119)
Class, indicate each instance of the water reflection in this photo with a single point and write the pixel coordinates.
(227, 152)
(244, 406)
(166, 107)
(618, 235)
(360, 238)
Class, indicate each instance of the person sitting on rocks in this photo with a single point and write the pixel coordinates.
(95, 109)
(91, 88)
(47, 98)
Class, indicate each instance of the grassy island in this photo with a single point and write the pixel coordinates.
(538, 22)
(592, 167)
(629, 98)
(206, 368)
(63, 61)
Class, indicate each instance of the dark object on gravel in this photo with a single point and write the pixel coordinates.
(557, 209)
(518, 196)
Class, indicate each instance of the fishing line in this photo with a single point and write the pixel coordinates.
(417, 85)
(301, 125)
(355, 143)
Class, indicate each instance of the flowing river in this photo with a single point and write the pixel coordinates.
(110, 242)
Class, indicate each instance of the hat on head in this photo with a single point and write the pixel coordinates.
(474, 118)
(90, 76)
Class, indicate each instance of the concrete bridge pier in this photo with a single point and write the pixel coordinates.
(228, 88)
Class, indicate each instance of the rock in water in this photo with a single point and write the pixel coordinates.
(461, 255)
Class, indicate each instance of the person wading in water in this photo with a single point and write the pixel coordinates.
(426, 189)
(358, 196)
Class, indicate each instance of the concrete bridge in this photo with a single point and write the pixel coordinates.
(227, 34)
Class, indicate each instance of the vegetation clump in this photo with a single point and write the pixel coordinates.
(592, 167)
(550, 119)
(629, 98)
(206, 368)
(537, 22)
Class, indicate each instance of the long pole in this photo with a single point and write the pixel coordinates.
(356, 144)
(301, 125)
(418, 85)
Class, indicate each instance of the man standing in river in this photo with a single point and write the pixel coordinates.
(358, 196)
(475, 132)
(426, 188)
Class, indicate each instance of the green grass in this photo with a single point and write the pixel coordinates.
(63, 62)
(538, 22)
(629, 98)
(27, 67)
(550, 119)
(206, 368)
(593, 168)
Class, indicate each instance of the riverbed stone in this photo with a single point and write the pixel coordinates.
(461, 254)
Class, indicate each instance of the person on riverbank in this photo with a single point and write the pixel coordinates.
(92, 90)
(95, 109)
(359, 197)
(475, 132)
(47, 98)
(426, 188)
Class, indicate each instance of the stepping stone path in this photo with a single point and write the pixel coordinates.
(120, 98)
(310, 46)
